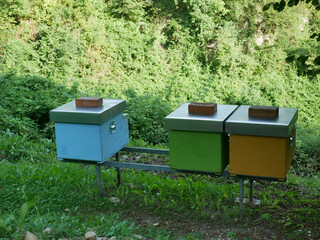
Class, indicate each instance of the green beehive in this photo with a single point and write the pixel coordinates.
(197, 141)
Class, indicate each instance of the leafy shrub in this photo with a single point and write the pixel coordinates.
(206, 17)
(146, 117)
(14, 148)
(307, 159)
(132, 10)
(19, 56)
(15, 11)
(60, 51)
(21, 126)
(27, 101)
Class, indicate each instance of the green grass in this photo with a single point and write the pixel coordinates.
(63, 197)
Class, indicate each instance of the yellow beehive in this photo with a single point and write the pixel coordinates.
(261, 146)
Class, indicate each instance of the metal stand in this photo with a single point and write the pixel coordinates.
(251, 190)
(250, 202)
(241, 195)
(99, 180)
(118, 169)
(117, 164)
(253, 203)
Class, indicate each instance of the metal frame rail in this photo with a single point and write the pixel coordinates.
(164, 168)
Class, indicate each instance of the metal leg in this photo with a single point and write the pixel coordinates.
(118, 169)
(241, 196)
(99, 180)
(251, 190)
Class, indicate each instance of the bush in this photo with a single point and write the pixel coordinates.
(307, 158)
(27, 101)
(146, 117)
(132, 10)
(14, 148)
(25, 125)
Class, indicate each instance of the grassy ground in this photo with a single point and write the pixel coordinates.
(58, 200)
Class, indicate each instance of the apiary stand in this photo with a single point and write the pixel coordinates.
(241, 194)
(164, 168)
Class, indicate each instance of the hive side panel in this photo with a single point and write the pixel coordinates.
(291, 146)
(78, 141)
(114, 136)
(224, 151)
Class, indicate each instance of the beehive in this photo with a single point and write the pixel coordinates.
(197, 142)
(90, 133)
(262, 146)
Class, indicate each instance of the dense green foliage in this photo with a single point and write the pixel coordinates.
(25, 127)
(307, 60)
(156, 55)
(30, 99)
(179, 51)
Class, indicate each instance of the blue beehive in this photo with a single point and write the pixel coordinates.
(90, 133)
